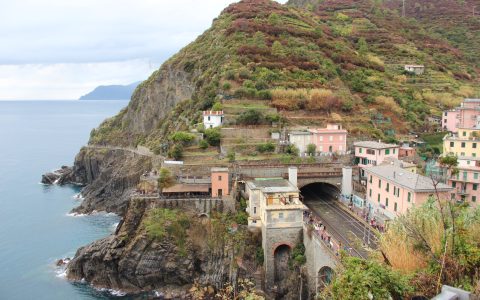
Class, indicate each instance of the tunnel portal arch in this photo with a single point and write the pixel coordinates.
(320, 190)
(325, 276)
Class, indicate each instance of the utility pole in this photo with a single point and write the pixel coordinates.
(403, 8)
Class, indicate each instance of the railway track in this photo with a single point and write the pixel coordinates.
(340, 218)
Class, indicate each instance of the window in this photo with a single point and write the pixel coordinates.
(219, 178)
(388, 187)
(386, 202)
(360, 150)
(474, 198)
(462, 154)
(465, 176)
(475, 186)
(370, 193)
(395, 206)
(464, 133)
(321, 140)
(379, 183)
(475, 175)
(463, 144)
(474, 145)
(387, 151)
(409, 197)
(394, 151)
(209, 118)
(452, 144)
(474, 154)
(372, 179)
(280, 215)
(378, 198)
(454, 184)
(254, 210)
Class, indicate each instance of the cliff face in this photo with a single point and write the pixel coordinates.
(132, 261)
(108, 175)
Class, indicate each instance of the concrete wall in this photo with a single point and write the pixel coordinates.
(318, 256)
(195, 205)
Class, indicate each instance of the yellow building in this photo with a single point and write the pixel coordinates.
(464, 143)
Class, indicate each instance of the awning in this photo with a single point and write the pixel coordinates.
(187, 188)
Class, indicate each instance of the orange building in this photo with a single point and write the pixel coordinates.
(220, 182)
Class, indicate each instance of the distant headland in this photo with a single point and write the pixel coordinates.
(111, 92)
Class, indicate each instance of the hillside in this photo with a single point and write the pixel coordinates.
(351, 52)
(111, 92)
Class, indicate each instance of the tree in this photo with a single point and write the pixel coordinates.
(250, 117)
(274, 19)
(267, 147)
(259, 39)
(165, 179)
(278, 50)
(311, 149)
(213, 136)
(176, 152)
(292, 150)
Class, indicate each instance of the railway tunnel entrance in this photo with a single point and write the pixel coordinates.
(320, 191)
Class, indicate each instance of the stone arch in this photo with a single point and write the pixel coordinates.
(335, 181)
(281, 256)
(203, 216)
(325, 276)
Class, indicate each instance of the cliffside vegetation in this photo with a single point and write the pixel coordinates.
(313, 60)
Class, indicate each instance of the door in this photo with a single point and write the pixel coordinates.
(220, 192)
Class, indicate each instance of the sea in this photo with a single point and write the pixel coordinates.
(36, 228)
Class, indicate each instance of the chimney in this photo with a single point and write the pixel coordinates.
(292, 175)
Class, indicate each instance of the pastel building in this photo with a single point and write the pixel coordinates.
(370, 153)
(220, 179)
(466, 183)
(212, 119)
(332, 139)
(466, 142)
(406, 151)
(465, 116)
(391, 190)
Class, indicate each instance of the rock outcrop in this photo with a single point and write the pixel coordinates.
(133, 262)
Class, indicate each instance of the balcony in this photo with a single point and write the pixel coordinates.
(462, 192)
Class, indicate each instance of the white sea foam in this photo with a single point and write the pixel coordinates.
(115, 293)
(78, 196)
(114, 226)
(76, 215)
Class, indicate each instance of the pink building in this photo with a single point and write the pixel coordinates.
(465, 116)
(466, 183)
(220, 182)
(406, 151)
(332, 139)
(391, 191)
(369, 153)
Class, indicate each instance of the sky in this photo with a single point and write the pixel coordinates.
(60, 49)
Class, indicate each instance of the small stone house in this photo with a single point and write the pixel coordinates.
(415, 69)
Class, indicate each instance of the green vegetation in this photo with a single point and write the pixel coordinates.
(267, 147)
(184, 138)
(176, 152)
(203, 144)
(165, 179)
(167, 223)
(213, 136)
(250, 117)
(363, 280)
(311, 149)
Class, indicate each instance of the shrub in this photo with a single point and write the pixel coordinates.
(230, 75)
(267, 147)
(203, 144)
(176, 152)
(292, 150)
(227, 86)
(231, 156)
(213, 136)
(264, 95)
(217, 106)
(165, 179)
(182, 137)
(250, 117)
(311, 149)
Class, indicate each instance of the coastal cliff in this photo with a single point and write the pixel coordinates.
(162, 249)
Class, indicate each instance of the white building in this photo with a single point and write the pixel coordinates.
(212, 119)
(415, 69)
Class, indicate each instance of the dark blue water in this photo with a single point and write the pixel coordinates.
(35, 230)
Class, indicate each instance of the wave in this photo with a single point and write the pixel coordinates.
(116, 293)
(94, 213)
(78, 196)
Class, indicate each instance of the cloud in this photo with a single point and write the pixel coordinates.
(67, 81)
(68, 43)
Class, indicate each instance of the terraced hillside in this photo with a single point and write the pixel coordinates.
(338, 60)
